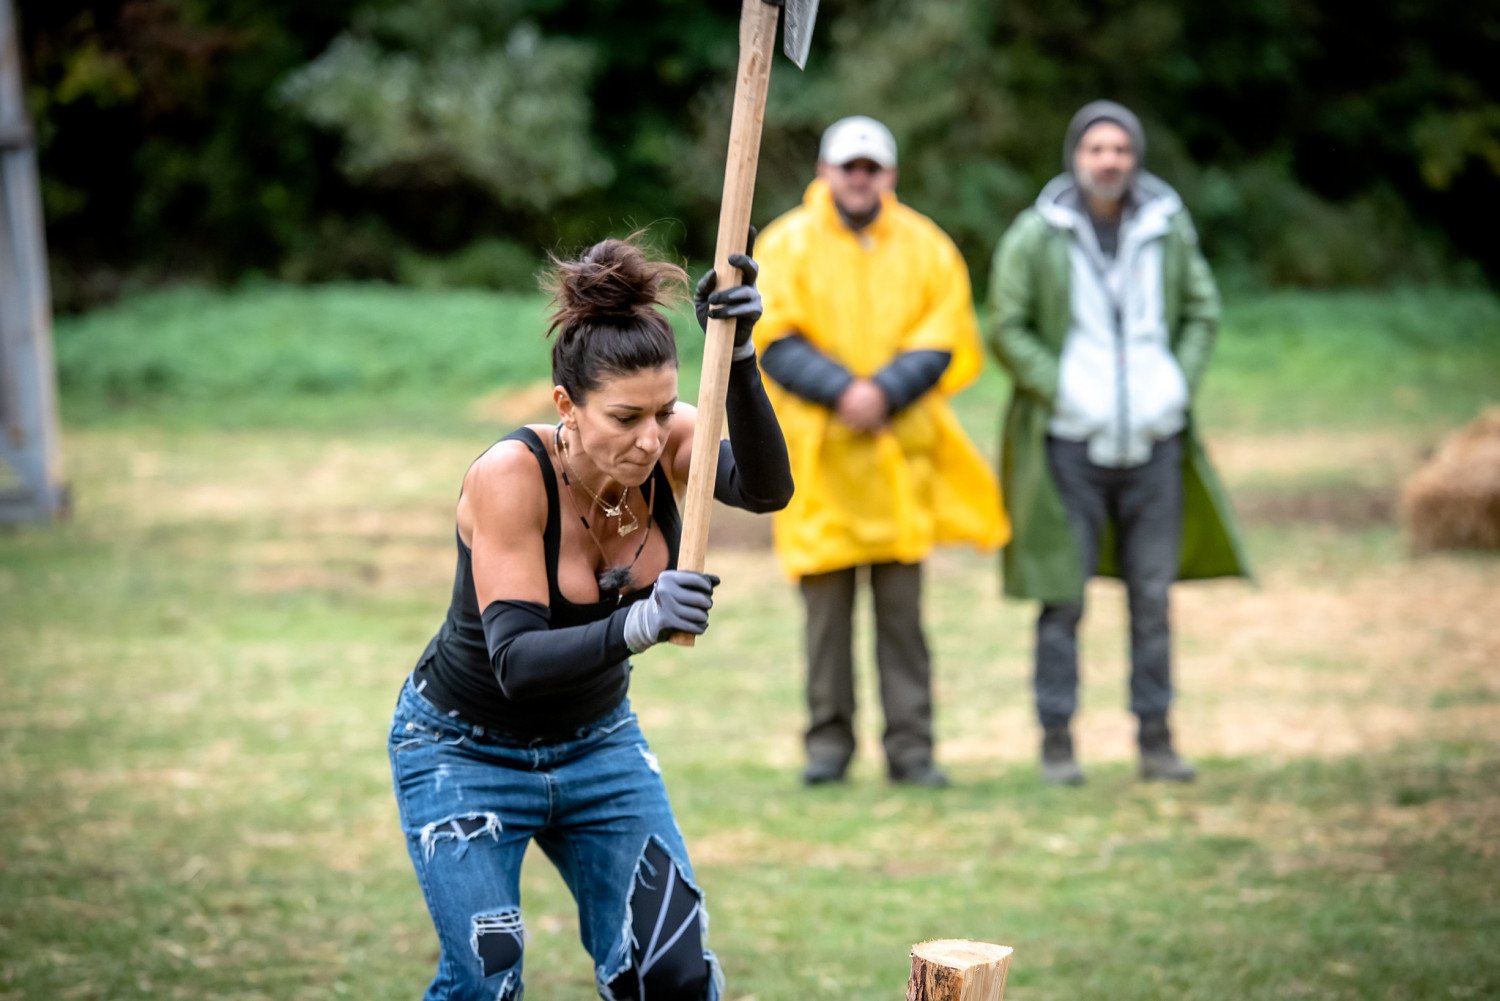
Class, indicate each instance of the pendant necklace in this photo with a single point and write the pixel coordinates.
(619, 511)
(612, 579)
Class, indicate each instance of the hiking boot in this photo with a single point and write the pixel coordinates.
(824, 771)
(1058, 766)
(927, 775)
(1159, 762)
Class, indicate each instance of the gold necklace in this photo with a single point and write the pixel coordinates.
(619, 510)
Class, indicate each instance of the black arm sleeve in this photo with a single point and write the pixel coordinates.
(909, 375)
(754, 472)
(805, 371)
(530, 658)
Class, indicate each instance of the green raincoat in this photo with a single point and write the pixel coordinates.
(1030, 310)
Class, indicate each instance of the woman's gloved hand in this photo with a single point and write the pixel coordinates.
(679, 603)
(740, 303)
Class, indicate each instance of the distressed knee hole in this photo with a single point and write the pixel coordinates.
(665, 924)
(498, 938)
(460, 831)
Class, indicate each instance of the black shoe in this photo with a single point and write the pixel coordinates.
(820, 773)
(1159, 762)
(1058, 765)
(926, 775)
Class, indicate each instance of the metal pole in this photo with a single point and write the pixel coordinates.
(31, 485)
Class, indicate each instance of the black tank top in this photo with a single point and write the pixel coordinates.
(454, 671)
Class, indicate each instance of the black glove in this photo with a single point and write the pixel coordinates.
(679, 603)
(741, 303)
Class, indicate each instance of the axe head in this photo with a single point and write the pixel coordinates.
(797, 28)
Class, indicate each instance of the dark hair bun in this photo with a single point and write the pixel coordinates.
(613, 280)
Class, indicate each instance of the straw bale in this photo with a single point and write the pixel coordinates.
(1453, 502)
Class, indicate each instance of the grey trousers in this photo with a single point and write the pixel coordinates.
(901, 659)
(1144, 504)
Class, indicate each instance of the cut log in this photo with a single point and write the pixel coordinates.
(954, 969)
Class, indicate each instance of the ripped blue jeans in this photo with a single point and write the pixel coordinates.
(471, 802)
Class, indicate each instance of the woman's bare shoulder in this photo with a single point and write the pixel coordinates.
(504, 479)
(506, 459)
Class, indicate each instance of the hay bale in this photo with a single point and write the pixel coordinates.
(1453, 502)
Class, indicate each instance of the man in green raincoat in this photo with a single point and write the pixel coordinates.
(1104, 312)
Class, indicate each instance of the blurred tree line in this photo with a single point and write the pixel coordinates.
(453, 142)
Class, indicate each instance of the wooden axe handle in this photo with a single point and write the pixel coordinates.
(757, 49)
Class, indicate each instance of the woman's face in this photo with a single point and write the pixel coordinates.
(621, 428)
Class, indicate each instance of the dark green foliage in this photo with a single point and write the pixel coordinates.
(1317, 144)
(160, 153)
(1301, 149)
(431, 95)
(493, 264)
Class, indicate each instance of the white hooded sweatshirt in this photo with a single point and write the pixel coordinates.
(1120, 388)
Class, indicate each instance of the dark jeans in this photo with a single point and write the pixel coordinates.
(1144, 504)
(901, 660)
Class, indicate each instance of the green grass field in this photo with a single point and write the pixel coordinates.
(201, 664)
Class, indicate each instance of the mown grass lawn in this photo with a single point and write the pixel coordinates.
(200, 666)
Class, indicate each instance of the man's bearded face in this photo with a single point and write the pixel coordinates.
(1104, 161)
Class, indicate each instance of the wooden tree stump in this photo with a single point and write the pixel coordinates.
(954, 969)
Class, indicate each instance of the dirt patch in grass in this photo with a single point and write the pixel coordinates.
(1305, 665)
(1342, 647)
(1345, 479)
(1336, 652)
(1344, 506)
(1381, 455)
(1301, 666)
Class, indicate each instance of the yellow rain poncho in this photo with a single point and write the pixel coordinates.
(861, 299)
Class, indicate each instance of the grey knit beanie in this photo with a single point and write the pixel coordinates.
(1103, 111)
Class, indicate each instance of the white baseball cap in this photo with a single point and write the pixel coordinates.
(858, 138)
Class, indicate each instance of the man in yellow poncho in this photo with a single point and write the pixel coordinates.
(868, 329)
